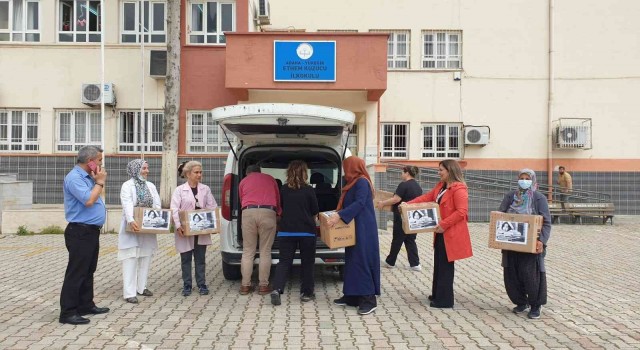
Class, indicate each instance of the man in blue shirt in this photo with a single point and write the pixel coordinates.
(85, 211)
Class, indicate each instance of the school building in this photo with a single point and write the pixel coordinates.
(498, 84)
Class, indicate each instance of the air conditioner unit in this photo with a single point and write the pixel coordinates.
(91, 94)
(263, 12)
(476, 135)
(158, 64)
(574, 136)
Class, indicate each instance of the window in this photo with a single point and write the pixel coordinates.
(397, 48)
(441, 49)
(337, 30)
(152, 16)
(137, 134)
(79, 21)
(207, 20)
(19, 130)
(395, 140)
(76, 129)
(441, 140)
(20, 20)
(205, 136)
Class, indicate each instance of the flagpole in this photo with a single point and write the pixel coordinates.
(102, 111)
(143, 120)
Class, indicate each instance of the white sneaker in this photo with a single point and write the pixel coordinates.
(415, 268)
(386, 264)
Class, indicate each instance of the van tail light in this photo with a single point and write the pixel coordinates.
(226, 197)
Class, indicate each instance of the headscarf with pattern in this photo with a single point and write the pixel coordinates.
(145, 200)
(523, 199)
(354, 169)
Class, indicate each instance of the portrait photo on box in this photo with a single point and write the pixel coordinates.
(422, 218)
(511, 232)
(155, 219)
(201, 221)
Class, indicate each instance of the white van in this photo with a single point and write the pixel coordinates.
(271, 135)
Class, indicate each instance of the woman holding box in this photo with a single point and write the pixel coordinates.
(136, 250)
(451, 238)
(362, 261)
(524, 274)
(191, 195)
(407, 190)
(296, 230)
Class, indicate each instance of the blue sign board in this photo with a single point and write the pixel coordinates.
(304, 61)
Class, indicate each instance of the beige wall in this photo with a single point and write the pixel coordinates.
(505, 77)
(49, 76)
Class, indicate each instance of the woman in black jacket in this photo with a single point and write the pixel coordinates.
(296, 230)
(524, 274)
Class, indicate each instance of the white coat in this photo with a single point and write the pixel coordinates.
(129, 199)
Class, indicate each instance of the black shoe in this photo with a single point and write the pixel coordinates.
(305, 297)
(430, 297)
(74, 319)
(520, 308)
(203, 289)
(340, 302)
(366, 309)
(132, 300)
(534, 313)
(275, 298)
(146, 293)
(94, 311)
(186, 291)
(438, 306)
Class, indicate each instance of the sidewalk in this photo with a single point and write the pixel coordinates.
(593, 274)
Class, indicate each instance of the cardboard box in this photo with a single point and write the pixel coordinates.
(200, 222)
(420, 217)
(516, 232)
(151, 220)
(340, 235)
(381, 196)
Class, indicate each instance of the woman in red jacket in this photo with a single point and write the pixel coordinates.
(451, 238)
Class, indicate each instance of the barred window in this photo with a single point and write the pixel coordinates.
(204, 135)
(398, 48)
(441, 140)
(138, 134)
(441, 49)
(395, 140)
(77, 128)
(19, 130)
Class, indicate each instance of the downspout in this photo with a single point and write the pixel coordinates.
(378, 135)
(550, 106)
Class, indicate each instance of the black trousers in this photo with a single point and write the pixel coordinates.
(523, 280)
(399, 237)
(197, 254)
(443, 273)
(83, 245)
(288, 247)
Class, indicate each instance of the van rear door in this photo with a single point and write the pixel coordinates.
(285, 123)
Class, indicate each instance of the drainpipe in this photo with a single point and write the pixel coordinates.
(550, 106)
(378, 134)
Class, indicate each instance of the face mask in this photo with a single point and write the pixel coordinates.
(525, 184)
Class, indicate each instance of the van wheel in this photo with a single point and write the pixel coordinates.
(231, 272)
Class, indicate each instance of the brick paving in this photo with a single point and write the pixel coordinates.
(594, 301)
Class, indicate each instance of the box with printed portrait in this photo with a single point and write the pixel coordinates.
(516, 232)
(420, 217)
(200, 222)
(340, 235)
(150, 220)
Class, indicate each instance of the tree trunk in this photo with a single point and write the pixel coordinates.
(168, 179)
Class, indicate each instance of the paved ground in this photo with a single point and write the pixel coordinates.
(594, 301)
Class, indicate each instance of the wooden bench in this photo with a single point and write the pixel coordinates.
(556, 210)
(577, 210)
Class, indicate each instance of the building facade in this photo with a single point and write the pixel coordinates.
(500, 85)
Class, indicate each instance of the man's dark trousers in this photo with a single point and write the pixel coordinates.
(83, 244)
